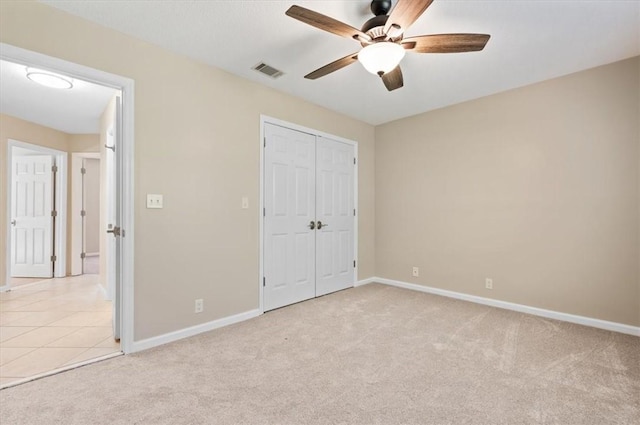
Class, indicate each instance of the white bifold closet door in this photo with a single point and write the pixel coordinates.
(308, 184)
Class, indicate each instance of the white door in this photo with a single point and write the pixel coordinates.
(83, 212)
(31, 216)
(113, 207)
(289, 201)
(335, 216)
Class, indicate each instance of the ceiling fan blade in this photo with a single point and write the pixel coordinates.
(326, 23)
(447, 43)
(333, 66)
(403, 15)
(393, 79)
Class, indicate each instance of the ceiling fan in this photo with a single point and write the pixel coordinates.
(382, 39)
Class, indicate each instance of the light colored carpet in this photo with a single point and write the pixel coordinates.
(370, 355)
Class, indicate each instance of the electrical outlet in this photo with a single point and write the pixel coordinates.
(416, 272)
(488, 283)
(154, 201)
(199, 305)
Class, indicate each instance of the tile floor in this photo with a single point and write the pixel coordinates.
(52, 324)
(19, 281)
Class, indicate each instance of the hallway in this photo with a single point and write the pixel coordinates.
(52, 324)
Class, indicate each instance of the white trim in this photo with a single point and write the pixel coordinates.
(103, 290)
(356, 216)
(364, 282)
(264, 119)
(60, 199)
(61, 369)
(126, 86)
(155, 341)
(261, 219)
(550, 314)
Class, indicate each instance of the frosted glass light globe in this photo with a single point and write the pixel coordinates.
(381, 57)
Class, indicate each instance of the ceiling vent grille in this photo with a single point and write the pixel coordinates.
(268, 70)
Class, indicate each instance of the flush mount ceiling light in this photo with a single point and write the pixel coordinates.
(380, 58)
(49, 79)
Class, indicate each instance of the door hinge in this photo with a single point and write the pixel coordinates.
(53, 258)
(54, 168)
(354, 161)
(83, 170)
(264, 212)
(54, 213)
(83, 255)
(264, 281)
(354, 264)
(354, 212)
(264, 141)
(122, 233)
(83, 213)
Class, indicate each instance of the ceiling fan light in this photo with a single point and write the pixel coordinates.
(381, 57)
(49, 79)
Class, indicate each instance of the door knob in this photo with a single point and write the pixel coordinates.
(13, 222)
(312, 225)
(320, 225)
(115, 231)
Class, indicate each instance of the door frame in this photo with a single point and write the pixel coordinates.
(126, 86)
(59, 199)
(77, 198)
(265, 119)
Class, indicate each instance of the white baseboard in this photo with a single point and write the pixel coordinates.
(155, 341)
(104, 291)
(565, 317)
(364, 282)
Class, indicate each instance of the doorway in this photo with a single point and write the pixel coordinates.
(87, 211)
(36, 236)
(123, 160)
(309, 222)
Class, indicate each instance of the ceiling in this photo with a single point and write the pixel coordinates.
(531, 41)
(74, 111)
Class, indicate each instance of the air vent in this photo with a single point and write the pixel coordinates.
(268, 70)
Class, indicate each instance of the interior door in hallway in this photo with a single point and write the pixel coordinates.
(335, 216)
(289, 216)
(31, 216)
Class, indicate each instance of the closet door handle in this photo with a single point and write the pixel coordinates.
(312, 225)
(13, 222)
(320, 225)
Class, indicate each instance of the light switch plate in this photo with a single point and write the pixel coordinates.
(245, 202)
(154, 201)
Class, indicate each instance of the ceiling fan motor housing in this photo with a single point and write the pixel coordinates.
(380, 7)
(374, 27)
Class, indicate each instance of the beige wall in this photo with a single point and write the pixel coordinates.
(197, 142)
(83, 143)
(536, 188)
